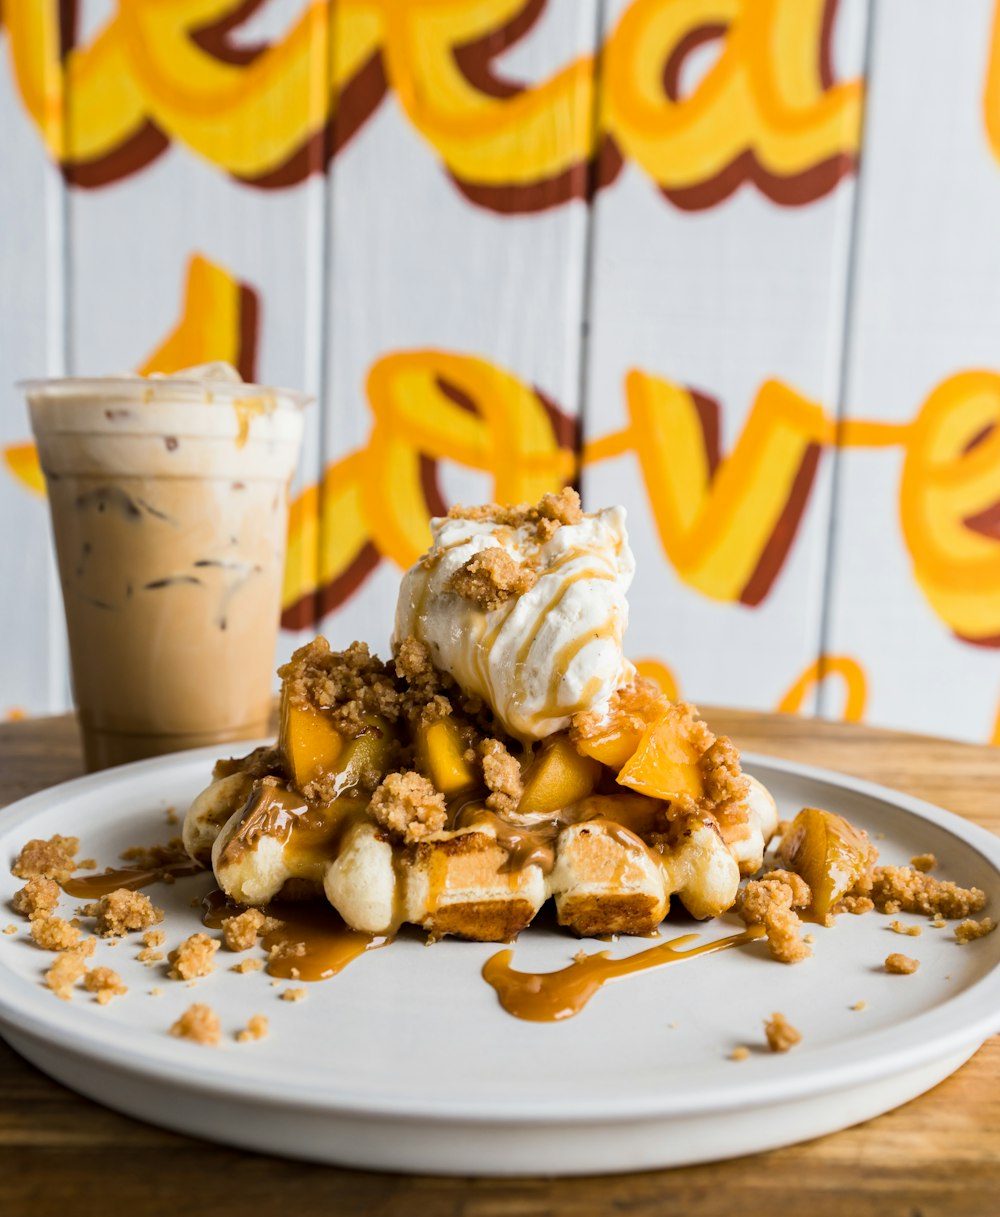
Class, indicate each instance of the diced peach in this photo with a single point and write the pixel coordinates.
(631, 711)
(441, 752)
(311, 744)
(368, 755)
(557, 776)
(828, 852)
(665, 764)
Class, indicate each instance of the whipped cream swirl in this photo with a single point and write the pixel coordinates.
(546, 654)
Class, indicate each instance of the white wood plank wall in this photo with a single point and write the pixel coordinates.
(709, 258)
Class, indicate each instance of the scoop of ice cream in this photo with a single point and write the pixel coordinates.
(527, 612)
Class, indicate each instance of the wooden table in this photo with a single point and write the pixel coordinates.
(938, 1155)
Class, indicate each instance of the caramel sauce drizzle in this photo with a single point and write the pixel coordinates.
(318, 943)
(546, 997)
(133, 877)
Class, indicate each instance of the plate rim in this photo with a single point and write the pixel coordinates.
(971, 1016)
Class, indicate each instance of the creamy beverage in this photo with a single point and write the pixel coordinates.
(169, 508)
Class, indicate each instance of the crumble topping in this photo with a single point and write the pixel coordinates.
(800, 890)
(502, 774)
(781, 1035)
(52, 933)
(902, 965)
(104, 983)
(408, 806)
(923, 862)
(38, 896)
(194, 957)
(860, 1005)
(900, 889)
(633, 707)
(256, 1029)
(293, 994)
(969, 930)
(242, 931)
(51, 859)
(122, 912)
(67, 968)
(784, 936)
(545, 517)
(200, 1024)
(10, 929)
(151, 940)
(897, 927)
(739, 1054)
(854, 904)
(491, 577)
(247, 965)
(726, 786)
(350, 684)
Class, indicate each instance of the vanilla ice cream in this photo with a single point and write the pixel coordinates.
(547, 653)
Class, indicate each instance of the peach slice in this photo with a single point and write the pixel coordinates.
(557, 776)
(311, 744)
(828, 852)
(615, 741)
(665, 764)
(441, 752)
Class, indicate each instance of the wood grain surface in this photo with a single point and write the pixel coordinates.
(937, 1155)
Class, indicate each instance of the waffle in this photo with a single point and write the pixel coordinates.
(610, 862)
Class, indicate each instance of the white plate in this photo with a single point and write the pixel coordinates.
(405, 1061)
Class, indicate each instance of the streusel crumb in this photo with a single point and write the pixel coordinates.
(768, 902)
(923, 862)
(408, 805)
(902, 965)
(897, 927)
(739, 1054)
(124, 911)
(66, 970)
(10, 929)
(900, 889)
(247, 965)
(242, 931)
(860, 1005)
(39, 895)
(256, 1029)
(969, 930)
(194, 957)
(200, 1024)
(491, 577)
(51, 859)
(726, 786)
(546, 517)
(853, 904)
(801, 891)
(781, 1035)
(784, 936)
(502, 774)
(53, 933)
(104, 983)
(293, 994)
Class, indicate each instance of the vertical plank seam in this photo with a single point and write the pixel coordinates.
(589, 242)
(821, 695)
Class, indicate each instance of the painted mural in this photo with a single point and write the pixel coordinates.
(644, 247)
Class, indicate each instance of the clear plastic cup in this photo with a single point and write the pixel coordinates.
(169, 506)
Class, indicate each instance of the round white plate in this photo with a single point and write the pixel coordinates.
(406, 1062)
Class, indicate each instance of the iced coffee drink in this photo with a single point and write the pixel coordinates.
(169, 501)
